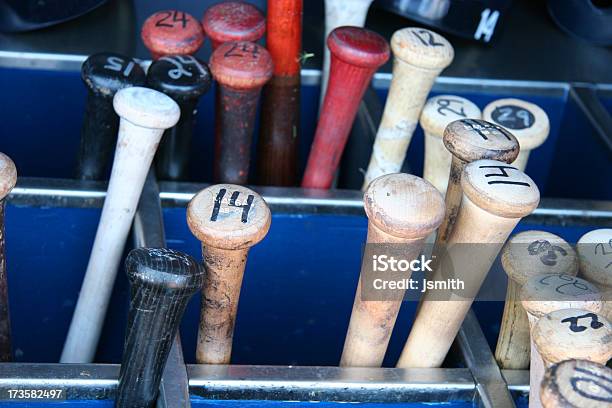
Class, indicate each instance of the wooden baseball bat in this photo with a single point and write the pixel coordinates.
(527, 254)
(543, 294)
(185, 79)
(577, 384)
(402, 210)
(527, 122)
(241, 69)
(162, 282)
(595, 258)
(228, 220)
(469, 140)
(437, 113)
(8, 178)
(495, 198)
(145, 114)
(233, 21)
(172, 32)
(572, 334)
(103, 74)
(340, 13)
(277, 156)
(356, 54)
(419, 57)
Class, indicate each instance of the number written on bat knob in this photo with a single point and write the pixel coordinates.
(170, 18)
(451, 105)
(513, 117)
(548, 251)
(241, 50)
(577, 328)
(245, 206)
(426, 37)
(118, 64)
(592, 385)
(569, 284)
(484, 129)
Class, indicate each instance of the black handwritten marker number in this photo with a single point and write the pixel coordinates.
(427, 38)
(596, 387)
(239, 51)
(170, 18)
(548, 251)
(571, 281)
(576, 328)
(503, 173)
(513, 117)
(445, 105)
(246, 207)
(483, 129)
(603, 249)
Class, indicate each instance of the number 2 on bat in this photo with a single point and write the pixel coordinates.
(162, 22)
(507, 112)
(429, 40)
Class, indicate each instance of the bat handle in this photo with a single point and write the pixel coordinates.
(172, 159)
(162, 283)
(98, 138)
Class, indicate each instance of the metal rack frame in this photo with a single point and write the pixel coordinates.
(481, 380)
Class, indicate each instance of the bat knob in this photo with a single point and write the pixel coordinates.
(404, 206)
(8, 175)
(358, 46)
(532, 253)
(474, 139)
(164, 269)
(441, 110)
(146, 108)
(422, 48)
(577, 383)
(233, 21)
(182, 77)
(241, 65)
(595, 256)
(527, 122)
(106, 73)
(500, 189)
(544, 293)
(573, 334)
(172, 32)
(228, 216)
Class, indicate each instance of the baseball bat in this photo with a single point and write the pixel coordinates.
(543, 294)
(469, 140)
(233, 21)
(145, 114)
(437, 113)
(595, 258)
(340, 13)
(419, 57)
(402, 210)
(356, 54)
(527, 254)
(241, 69)
(172, 32)
(577, 384)
(185, 79)
(8, 178)
(228, 220)
(495, 198)
(572, 334)
(104, 74)
(162, 282)
(280, 115)
(527, 122)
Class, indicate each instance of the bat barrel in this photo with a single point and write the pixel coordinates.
(469, 140)
(356, 54)
(145, 114)
(8, 178)
(185, 79)
(104, 74)
(241, 69)
(495, 198)
(162, 282)
(172, 32)
(419, 57)
(233, 21)
(228, 220)
(527, 254)
(402, 210)
(280, 122)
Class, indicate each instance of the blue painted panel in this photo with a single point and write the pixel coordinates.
(46, 111)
